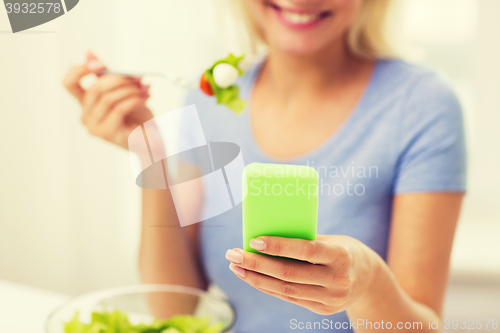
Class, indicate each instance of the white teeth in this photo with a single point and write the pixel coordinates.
(299, 18)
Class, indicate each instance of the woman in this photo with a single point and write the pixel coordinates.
(324, 96)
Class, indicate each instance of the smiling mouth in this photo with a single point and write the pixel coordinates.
(298, 18)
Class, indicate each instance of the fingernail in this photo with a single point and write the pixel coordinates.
(136, 79)
(234, 256)
(257, 244)
(145, 95)
(237, 270)
(95, 65)
(146, 87)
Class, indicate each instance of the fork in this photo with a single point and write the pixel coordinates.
(174, 79)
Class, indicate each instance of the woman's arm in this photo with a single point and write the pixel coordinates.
(340, 273)
(411, 287)
(169, 253)
(111, 109)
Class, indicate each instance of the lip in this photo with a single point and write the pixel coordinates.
(278, 10)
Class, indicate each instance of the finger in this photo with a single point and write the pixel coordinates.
(309, 304)
(114, 123)
(315, 251)
(315, 307)
(94, 64)
(91, 56)
(72, 80)
(104, 85)
(290, 289)
(280, 268)
(109, 100)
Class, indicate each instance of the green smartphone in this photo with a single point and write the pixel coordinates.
(280, 200)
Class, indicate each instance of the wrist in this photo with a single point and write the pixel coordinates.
(369, 271)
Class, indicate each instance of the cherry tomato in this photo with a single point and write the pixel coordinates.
(205, 86)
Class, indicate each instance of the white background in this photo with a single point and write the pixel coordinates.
(69, 209)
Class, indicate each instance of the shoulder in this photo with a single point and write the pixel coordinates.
(431, 136)
(424, 96)
(430, 120)
(417, 85)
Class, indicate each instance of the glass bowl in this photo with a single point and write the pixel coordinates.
(143, 303)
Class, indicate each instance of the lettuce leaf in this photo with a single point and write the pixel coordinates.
(117, 322)
(227, 96)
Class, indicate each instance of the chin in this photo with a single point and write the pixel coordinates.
(303, 49)
(298, 45)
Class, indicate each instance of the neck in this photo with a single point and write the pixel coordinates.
(290, 74)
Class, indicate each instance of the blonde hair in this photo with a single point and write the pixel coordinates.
(366, 37)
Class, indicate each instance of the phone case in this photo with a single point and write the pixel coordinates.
(281, 200)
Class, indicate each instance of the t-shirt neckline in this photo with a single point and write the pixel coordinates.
(322, 147)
